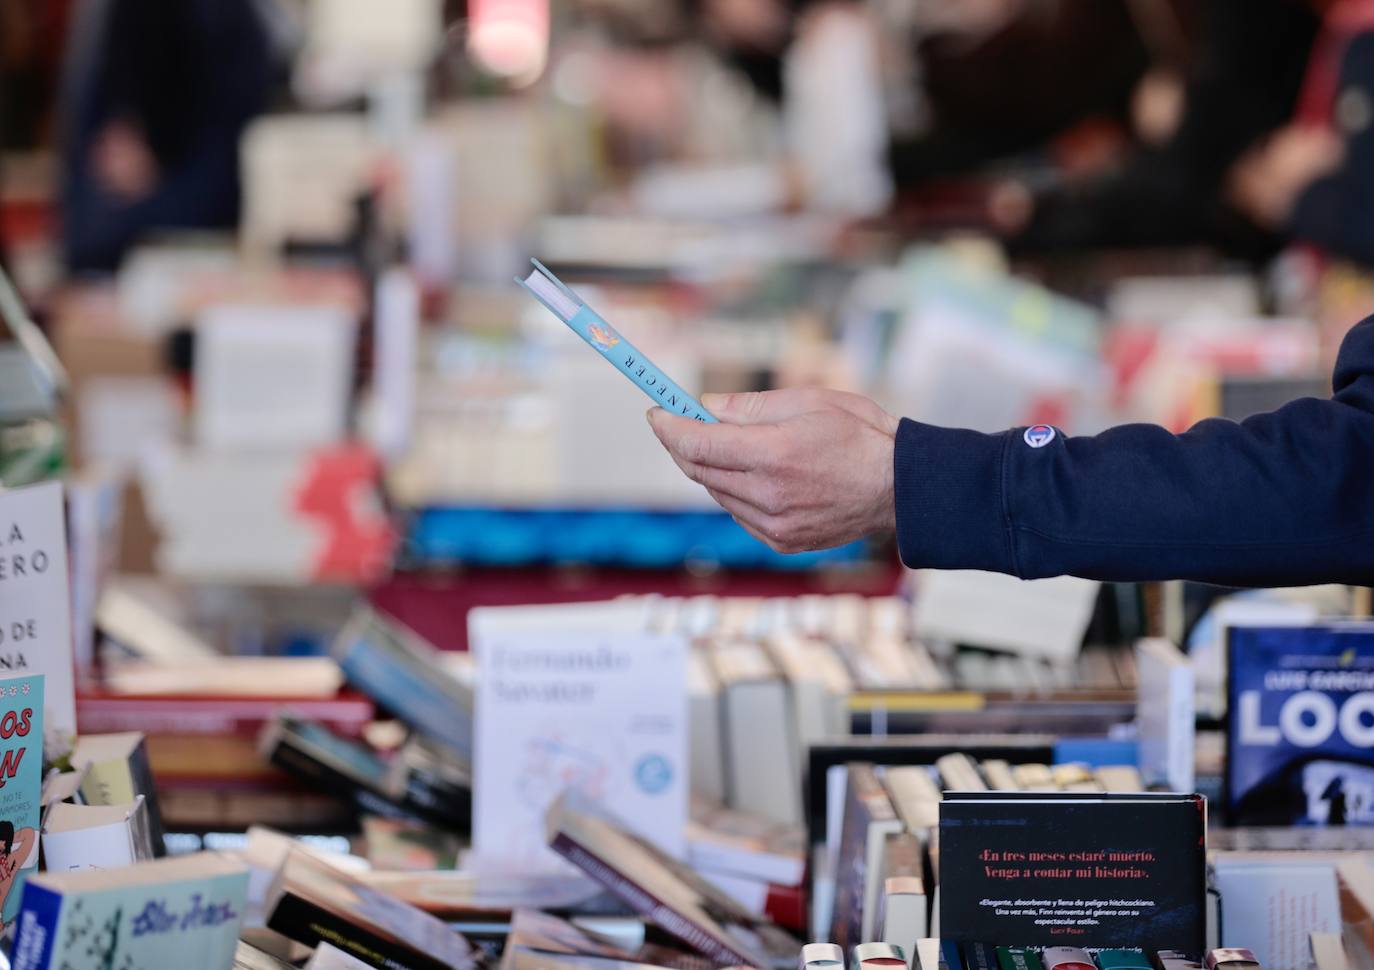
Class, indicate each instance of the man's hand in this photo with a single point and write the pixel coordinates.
(799, 469)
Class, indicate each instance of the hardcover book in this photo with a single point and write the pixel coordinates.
(312, 902)
(21, 785)
(182, 912)
(1067, 869)
(1299, 747)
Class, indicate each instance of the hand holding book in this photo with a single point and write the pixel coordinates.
(602, 337)
(799, 469)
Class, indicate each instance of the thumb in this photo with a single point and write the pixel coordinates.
(761, 407)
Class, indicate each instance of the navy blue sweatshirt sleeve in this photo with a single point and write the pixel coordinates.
(1284, 498)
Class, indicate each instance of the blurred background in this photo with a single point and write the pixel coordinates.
(262, 318)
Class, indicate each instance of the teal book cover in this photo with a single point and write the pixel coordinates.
(180, 912)
(21, 785)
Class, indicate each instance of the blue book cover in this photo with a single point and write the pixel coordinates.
(1300, 725)
(179, 912)
(21, 785)
(399, 671)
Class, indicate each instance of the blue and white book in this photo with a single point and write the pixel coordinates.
(179, 912)
(624, 356)
(1300, 748)
(402, 673)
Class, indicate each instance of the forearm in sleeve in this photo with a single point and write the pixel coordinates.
(1285, 498)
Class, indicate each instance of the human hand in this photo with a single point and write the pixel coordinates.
(1266, 181)
(799, 469)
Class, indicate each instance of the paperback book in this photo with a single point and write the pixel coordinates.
(1086, 870)
(35, 600)
(663, 890)
(1300, 750)
(21, 785)
(181, 912)
(311, 902)
(402, 673)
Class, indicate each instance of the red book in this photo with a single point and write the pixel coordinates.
(347, 713)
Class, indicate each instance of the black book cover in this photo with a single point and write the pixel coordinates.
(1064, 869)
(351, 772)
(311, 902)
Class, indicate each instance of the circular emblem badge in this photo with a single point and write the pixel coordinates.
(1039, 435)
(653, 774)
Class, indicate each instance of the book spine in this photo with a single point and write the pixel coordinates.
(142, 771)
(981, 956)
(628, 359)
(645, 904)
(950, 955)
(297, 919)
(36, 937)
(241, 717)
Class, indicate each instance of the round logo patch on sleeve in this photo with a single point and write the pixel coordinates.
(1039, 435)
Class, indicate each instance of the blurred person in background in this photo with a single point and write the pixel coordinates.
(895, 95)
(1268, 141)
(157, 94)
(1313, 179)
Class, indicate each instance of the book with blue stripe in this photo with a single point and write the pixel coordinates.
(180, 912)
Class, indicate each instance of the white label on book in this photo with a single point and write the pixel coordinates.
(35, 599)
(605, 714)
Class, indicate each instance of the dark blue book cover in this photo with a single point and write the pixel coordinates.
(1064, 869)
(1300, 725)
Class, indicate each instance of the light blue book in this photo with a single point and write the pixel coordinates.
(605, 340)
(401, 672)
(179, 912)
(21, 785)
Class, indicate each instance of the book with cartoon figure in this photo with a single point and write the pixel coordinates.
(21, 785)
(602, 337)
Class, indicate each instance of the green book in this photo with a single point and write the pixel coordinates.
(179, 912)
(1018, 958)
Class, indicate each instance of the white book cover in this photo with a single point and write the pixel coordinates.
(1166, 713)
(1272, 907)
(604, 714)
(92, 837)
(35, 602)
